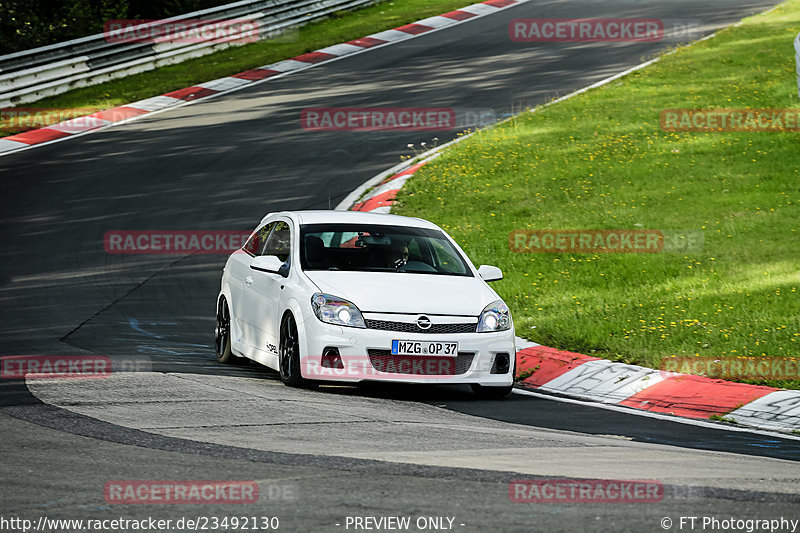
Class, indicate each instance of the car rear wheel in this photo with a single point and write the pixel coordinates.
(290, 354)
(222, 333)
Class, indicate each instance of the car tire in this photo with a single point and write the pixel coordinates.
(222, 334)
(289, 354)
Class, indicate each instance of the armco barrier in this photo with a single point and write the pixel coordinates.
(33, 74)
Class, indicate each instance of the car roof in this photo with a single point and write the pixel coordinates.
(353, 217)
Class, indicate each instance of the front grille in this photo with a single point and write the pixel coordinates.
(411, 327)
(420, 365)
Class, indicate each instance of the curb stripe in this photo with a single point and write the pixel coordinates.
(314, 57)
(394, 185)
(80, 124)
(341, 49)
(408, 172)
(381, 200)
(604, 381)
(367, 42)
(191, 93)
(436, 22)
(459, 15)
(500, 3)
(223, 84)
(7, 144)
(778, 410)
(256, 74)
(547, 363)
(118, 113)
(479, 9)
(379, 197)
(37, 136)
(414, 29)
(155, 103)
(391, 35)
(696, 396)
(288, 65)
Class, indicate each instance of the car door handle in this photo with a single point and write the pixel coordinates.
(248, 280)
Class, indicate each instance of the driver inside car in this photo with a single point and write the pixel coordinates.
(398, 255)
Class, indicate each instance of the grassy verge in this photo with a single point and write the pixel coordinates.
(344, 26)
(601, 161)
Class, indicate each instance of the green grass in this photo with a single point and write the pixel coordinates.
(726, 419)
(344, 26)
(601, 161)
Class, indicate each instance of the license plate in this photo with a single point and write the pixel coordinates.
(424, 348)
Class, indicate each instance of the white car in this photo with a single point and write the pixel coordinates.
(350, 297)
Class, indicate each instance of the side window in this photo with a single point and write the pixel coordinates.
(255, 244)
(327, 238)
(279, 242)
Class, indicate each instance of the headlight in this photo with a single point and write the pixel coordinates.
(495, 317)
(333, 310)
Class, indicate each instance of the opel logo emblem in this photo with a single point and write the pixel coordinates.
(424, 322)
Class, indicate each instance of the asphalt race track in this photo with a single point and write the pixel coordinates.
(318, 456)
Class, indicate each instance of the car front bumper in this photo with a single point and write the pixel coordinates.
(365, 355)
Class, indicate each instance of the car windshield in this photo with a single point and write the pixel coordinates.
(379, 248)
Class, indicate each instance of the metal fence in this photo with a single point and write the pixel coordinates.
(33, 74)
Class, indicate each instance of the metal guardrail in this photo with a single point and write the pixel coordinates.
(797, 60)
(49, 70)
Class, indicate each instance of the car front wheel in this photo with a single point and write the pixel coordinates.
(290, 354)
(222, 333)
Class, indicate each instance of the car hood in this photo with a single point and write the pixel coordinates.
(393, 292)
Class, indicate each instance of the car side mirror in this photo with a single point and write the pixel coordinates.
(490, 273)
(267, 263)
